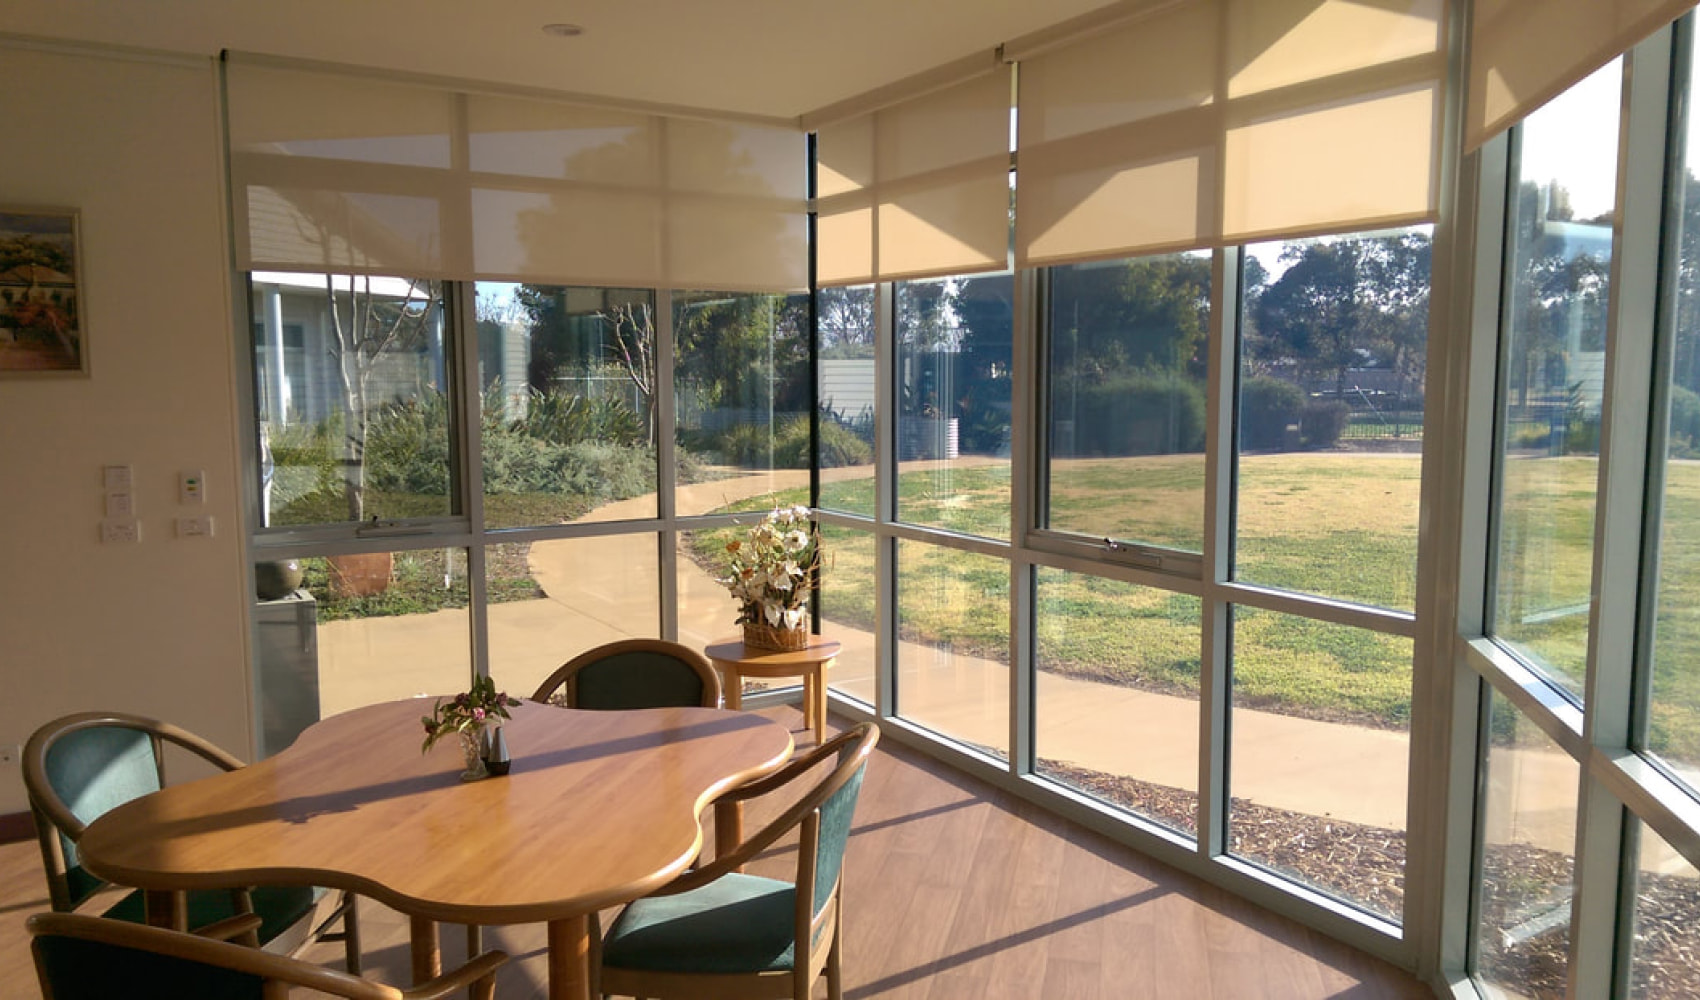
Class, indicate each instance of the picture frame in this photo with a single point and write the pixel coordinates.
(43, 326)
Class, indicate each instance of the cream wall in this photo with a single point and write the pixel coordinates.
(156, 627)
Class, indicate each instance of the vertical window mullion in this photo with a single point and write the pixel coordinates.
(466, 388)
(1025, 429)
(885, 498)
(667, 462)
(1215, 687)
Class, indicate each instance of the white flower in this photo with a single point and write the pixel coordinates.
(796, 540)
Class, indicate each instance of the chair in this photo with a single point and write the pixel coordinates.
(633, 673)
(79, 957)
(79, 767)
(715, 933)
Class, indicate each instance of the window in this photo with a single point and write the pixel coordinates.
(846, 329)
(953, 656)
(954, 345)
(1333, 352)
(1125, 383)
(1562, 202)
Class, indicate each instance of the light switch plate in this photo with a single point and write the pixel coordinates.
(118, 529)
(192, 487)
(201, 525)
(117, 478)
(120, 505)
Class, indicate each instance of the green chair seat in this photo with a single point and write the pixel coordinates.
(277, 906)
(736, 924)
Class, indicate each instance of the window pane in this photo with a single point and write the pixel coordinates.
(1332, 361)
(953, 653)
(1553, 372)
(1666, 935)
(847, 608)
(845, 317)
(1126, 379)
(567, 376)
(1673, 730)
(954, 340)
(1320, 755)
(354, 419)
(551, 600)
(337, 632)
(742, 392)
(1116, 695)
(1528, 826)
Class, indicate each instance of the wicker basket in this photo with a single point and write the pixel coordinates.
(763, 636)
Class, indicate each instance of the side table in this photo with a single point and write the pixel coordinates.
(736, 661)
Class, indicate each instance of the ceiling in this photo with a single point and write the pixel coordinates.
(764, 57)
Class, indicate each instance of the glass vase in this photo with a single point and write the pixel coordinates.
(472, 751)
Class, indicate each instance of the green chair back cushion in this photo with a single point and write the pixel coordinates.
(735, 925)
(94, 771)
(278, 907)
(836, 814)
(74, 969)
(638, 679)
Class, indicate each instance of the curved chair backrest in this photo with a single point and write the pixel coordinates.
(90, 958)
(634, 673)
(79, 767)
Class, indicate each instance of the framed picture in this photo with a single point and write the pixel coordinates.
(41, 308)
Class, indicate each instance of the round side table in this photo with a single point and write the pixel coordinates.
(736, 661)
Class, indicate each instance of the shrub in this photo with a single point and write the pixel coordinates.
(1322, 421)
(1268, 406)
(1139, 413)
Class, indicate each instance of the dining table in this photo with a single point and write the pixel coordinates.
(598, 808)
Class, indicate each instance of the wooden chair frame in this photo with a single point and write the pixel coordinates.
(810, 960)
(564, 680)
(279, 973)
(52, 817)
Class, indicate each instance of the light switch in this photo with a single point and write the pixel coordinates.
(120, 505)
(117, 478)
(120, 530)
(195, 527)
(191, 487)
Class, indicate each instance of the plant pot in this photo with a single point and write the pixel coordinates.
(363, 574)
(763, 636)
(276, 579)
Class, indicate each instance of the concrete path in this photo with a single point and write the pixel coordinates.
(604, 588)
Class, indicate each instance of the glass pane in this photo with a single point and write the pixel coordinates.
(1117, 693)
(1320, 755)
(337, 632)
(954, 343)
(1666, 937)
(567, 377)
(350, 375)
(847, 608)
(1528, 825)
(1332, 360)
(741, 380)
(845, 317)
(953, 649)
(1126, 359)
(1673, 730)
(551, 600)
(1553, 375)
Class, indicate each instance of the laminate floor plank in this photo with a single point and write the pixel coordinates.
(954, 891)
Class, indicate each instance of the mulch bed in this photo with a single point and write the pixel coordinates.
(1525, 890)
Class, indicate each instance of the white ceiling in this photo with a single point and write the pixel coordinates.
(765, 57)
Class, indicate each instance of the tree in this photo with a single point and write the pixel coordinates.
(1311, 315)
(365, 326)
(631, 327)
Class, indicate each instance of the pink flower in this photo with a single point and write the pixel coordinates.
(478, 715)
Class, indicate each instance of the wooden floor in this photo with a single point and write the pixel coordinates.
(952, 890)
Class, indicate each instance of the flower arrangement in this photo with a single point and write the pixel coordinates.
(772, 569)
(467, 713)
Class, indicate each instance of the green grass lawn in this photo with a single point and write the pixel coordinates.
(1338, 524)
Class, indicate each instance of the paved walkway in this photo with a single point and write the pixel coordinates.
(604, 588)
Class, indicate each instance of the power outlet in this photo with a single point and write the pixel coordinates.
(9, 754)
(199, 526)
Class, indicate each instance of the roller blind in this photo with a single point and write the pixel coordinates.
(1523, 53)
(917, 188)
(1206, 122)
(350, 173)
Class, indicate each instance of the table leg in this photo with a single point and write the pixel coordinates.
(165, 908)
(820, 701)
(728, 828)
(809, 700)
(427, 955)
(569, 958)
(734, 689)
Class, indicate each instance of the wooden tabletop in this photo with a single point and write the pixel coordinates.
(757, 661)
(600, 807)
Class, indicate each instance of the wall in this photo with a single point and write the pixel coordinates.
(158, 627)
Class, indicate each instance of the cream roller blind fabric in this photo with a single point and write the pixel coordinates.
(1523, 53)
(352, 173)
(1222, 121)
(918, 188)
